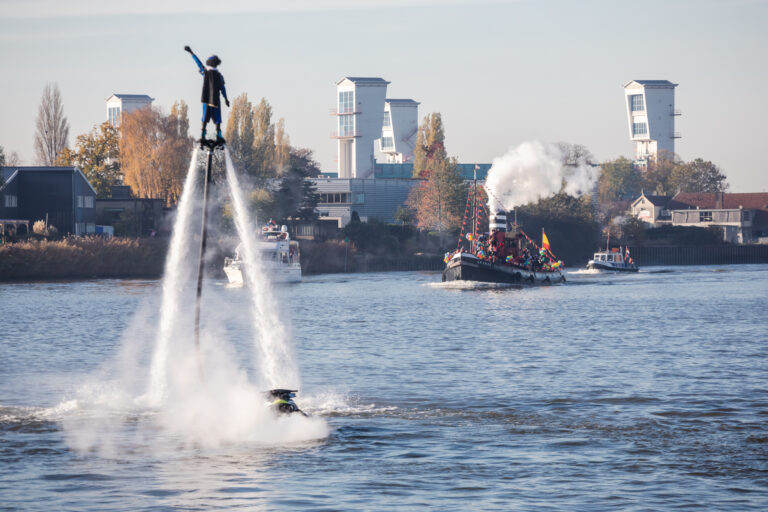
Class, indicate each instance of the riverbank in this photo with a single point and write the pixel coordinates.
(96, 257)
(83, 258)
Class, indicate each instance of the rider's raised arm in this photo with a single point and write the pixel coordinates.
(199, 64)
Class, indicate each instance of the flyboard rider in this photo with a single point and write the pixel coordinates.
(213, 85)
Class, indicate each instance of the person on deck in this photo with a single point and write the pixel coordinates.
(213, 85)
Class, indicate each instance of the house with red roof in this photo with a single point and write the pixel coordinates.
(743, 218)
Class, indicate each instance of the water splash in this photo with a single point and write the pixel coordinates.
(161, 402)
(276, 363)
(175, 277)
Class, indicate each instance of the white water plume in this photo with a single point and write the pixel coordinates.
(137, 403)
(277, 364)
(175, 277)
(533, 171)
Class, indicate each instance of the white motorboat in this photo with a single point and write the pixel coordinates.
(614, 260)
(279, 257)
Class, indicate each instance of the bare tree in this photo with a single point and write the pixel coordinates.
(52, 127)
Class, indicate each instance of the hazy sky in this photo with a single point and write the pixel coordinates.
(500, 72)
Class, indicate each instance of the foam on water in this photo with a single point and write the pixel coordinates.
(134, 403)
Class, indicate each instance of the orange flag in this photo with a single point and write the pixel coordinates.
(545, 241)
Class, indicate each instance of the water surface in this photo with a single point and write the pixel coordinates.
(635, 392)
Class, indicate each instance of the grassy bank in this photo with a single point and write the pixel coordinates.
(82, 257)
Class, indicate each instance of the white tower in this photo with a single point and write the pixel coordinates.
(360, 112)
(398, 131)
(651, 116)
(124, 103)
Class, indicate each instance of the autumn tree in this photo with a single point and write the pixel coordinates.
(698, 176)
(239, 134)
(97, 154)
(155, 151)
(618, 178)
(52, 128)
(657, 177)
(430, 143)
(283, 149)
(438, 201)
(264, 140)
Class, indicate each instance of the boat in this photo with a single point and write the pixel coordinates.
(502, 255)
(279, 255)
(615, 260)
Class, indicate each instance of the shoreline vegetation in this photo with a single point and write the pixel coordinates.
(125, 258)
(113, 258)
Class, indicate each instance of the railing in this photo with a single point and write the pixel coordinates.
(343, 112)
(675, 112)
(346, 134)
(676, 135)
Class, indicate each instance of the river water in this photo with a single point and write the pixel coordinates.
(631, 392)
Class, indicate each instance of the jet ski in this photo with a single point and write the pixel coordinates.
(281, 401)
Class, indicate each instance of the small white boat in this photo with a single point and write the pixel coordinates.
(279, 257)
(614, 260)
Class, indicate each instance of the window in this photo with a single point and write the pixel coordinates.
(338, 197)
(79, 228)
(90, 227)
(114, 115)
(10, 201)
(636, 103)
(705, 216)
(639, 129)
(745, 215)
(85, 201)
(387, 143)
(387, 120)
(346, 102)
(360, 198)
(346, 126)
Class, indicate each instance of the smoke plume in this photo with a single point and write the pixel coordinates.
(532, 171)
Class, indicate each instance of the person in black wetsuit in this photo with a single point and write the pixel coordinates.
(213, 85)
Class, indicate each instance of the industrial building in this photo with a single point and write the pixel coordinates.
(119, 104)
(651, 116)
(372, 128)
(376, 137)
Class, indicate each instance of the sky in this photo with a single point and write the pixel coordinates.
(499, 72)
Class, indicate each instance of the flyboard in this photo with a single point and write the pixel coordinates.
(280, 401)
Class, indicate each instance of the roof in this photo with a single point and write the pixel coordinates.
(402, 101)
(8, 173)
(131, 97)
(656, 83)
(364, 80)
(708, 200)
(655, 200)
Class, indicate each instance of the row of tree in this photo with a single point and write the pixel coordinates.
(149, 152)
(667, 174)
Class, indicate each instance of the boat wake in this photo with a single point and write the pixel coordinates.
(472, 285)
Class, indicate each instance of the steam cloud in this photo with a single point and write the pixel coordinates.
(532, 171)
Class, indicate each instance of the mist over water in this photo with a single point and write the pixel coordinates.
(533, 171)
(154, 389)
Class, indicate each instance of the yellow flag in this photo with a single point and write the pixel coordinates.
(545, 241)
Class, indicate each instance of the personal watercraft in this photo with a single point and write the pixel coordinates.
(281, 401)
